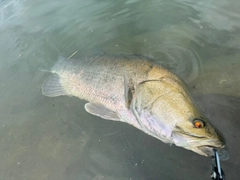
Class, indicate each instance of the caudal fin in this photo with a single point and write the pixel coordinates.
(60, 64)
(52, 87)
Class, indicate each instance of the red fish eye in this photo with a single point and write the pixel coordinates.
(198, 123)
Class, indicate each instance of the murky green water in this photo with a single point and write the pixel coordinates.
(55, 139)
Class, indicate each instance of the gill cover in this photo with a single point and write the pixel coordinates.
(148, 101)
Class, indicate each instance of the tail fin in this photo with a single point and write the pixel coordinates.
(52, 86)
(59, 64)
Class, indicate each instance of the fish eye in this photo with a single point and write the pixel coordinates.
(198, 123)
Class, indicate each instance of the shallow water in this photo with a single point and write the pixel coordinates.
(54, 138)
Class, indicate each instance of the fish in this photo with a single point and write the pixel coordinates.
(137, 90)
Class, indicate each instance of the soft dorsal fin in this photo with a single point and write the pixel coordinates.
(101, 111)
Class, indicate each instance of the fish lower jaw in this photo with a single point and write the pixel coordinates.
(207, 150)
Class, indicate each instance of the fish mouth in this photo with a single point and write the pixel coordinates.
(208, 148)
(209, 151)
(199, 144)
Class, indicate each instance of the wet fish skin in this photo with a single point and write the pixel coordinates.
(138, 91)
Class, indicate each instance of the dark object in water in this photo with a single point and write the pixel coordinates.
(217, 172)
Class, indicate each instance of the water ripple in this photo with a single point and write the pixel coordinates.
(182, 60)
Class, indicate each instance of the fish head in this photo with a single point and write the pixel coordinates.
(165, 110)
(197, 135)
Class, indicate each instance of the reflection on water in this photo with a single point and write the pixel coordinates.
(54, 138)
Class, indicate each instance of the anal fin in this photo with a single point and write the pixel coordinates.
(101, 111)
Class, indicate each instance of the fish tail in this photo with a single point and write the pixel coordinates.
(59, 64)
(52, 87)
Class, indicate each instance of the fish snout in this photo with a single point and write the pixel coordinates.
(207, 150)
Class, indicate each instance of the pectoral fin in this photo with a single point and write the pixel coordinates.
(129, 90)
(101, 111)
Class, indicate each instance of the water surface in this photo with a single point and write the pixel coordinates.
(54, 138)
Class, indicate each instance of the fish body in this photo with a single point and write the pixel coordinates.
(135, 90)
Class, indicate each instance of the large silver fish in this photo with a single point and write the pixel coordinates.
(135, 90)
